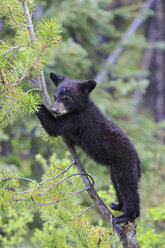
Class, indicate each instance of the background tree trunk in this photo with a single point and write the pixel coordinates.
(155, 32)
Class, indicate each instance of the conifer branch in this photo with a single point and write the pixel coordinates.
(29, 22)
(8, 111)
(76, 174)
(19, 178)
(23, 192)
(32, 66)
(17, 47)
(33, 40)
(34, 89)
(13, 98)
(45, 181)
(19, 24)
(52, 178)
(83, 212)
(44, 46)
(59, 200)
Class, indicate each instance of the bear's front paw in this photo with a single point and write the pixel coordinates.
(40, 110)
(116, 206)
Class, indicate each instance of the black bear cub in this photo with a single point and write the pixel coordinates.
(82, 124)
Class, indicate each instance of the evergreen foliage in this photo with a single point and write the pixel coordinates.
(62, 226)
(21, 61)
(89, 34)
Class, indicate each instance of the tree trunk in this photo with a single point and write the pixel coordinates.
(155, 32)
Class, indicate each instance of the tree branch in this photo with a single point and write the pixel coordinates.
(86, 210)
(132, 29)
(19, 24)
(17, 47)
(50, 187)
(23, 192)
(72, 175)
(47, 180)
(32, 38)
(8, 110)
(59, 200)
(34, 89)
(35, 61)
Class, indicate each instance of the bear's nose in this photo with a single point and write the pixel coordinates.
(55, 110)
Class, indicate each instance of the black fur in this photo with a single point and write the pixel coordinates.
(85, 126)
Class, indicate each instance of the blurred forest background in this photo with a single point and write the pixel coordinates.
(132, 94)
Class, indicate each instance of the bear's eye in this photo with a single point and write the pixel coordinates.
(65, 98)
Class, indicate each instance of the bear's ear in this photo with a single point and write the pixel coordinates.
(88, 85)
(56, 78)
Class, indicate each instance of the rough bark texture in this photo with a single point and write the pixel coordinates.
(130, 230)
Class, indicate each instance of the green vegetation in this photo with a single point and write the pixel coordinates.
(89, 33)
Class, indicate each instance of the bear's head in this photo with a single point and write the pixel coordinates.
(70, 95)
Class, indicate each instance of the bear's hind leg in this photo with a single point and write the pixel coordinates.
(126, 186)
(116, 206)
(130, 209)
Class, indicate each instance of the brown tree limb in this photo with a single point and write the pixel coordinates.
(132, 29)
